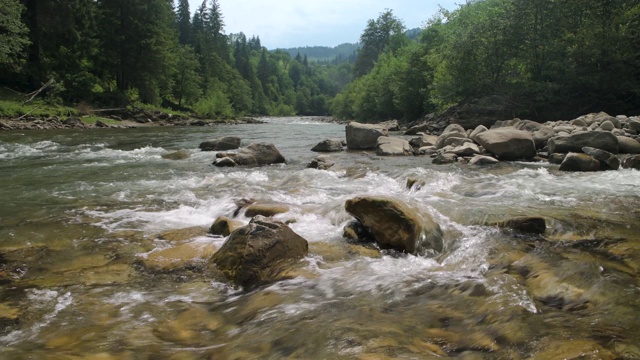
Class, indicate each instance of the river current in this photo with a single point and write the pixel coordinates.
(80, 208)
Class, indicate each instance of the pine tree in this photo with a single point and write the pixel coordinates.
(13, 32)
(183, 18)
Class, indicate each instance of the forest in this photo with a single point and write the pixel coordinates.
(546, 59)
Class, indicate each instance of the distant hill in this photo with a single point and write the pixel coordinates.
(324, 53)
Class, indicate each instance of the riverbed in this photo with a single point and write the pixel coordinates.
(80, 208)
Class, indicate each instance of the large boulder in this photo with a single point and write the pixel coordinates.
(607, 160)
(394, 225)
(631, 162)
(579, 162)
(628, 145)
(221, 144)
(508, 143)
(256, 154)
(392, 146)
(329, 145)
(259, 252)
(575, 142)
(364, 136)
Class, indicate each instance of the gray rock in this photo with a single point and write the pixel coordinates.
(328, 145)
(454, 128)
(321, 163)
(483, 160)
(225, 162)
(564, 128)
(221, 144)
(508, 143)
(628, 145)
(427, 150)
(631, 162)
(557, 158)
(256, 154)
(177, 155)
(579, 123)
(607, 160)
(634, 125)
(442, 139)
(477, 131)
(457, 141)
(607, 126)
(364, 136)
(424, 140)
(392, 146)
(467, 149)
(579, 162)
(390, 125)
(446, 158)
(575, 142)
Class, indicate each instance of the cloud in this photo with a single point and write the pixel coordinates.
(291, 23)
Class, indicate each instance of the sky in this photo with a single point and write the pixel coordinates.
(294, 23)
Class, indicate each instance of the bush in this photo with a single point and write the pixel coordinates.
(215, 104)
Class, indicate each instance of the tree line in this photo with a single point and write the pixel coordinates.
(549, 59)
(123, 52)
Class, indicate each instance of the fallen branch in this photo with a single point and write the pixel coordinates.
(27, 113)
(35, 93)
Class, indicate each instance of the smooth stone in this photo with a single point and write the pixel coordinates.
(607, 126)
(442, 139)
(634, 125)
(329, 145)
(265, 209)
(183, 234)
(178, 155)
(631, 162)
(508, 143)
(579, 162)
(467, 149)
(256, 154)
(457, 141)
(557, 158)
(424, 140)
(454, 128)
(224, 226)
(190, 255)
(575, 142)
(483, 160)
(225, 162)
(221, 144)
(607, 160)
(392, 146)
(364, 136)
(443, 159)
(427, 150)
(477, 131)
(628, 145)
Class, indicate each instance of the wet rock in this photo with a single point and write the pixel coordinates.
(221, 144)
(508, 143)
(265, 209)
(9, 314)
(444, 158)
(356, 231)
(477, 131)
(424, 140)
(225, 162)
(392, 146)
(631, 162)
(483, 160)
(256, 154)
(607, 160)
(74, 122)
(321, 163)
(557, 158)
(391, 125)
(178, 235)
(364, 136)
(190, 255)
(413, 183)
(525, 225)
(575, 142)
(628, 145)
(467, 149)
(189, 327)
(427, 150)
(259, 252)
(579, 162)
(177, 155)
(572, 349)
(394, 225)
(634, 125)
(469, 340)
(224, 226)
(329, 145)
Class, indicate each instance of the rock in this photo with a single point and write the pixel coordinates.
(579, 162)
(579, 123)
(575, 142)
(265, 209)
(390, 125)
(224, 226)
(483, 160)
(525, 224)
(628, 145)
(572, 350)
(321, 163)
(427, 150)
(221, 144)
(631, 162)
(189, 327)
(607, 160)
(607, 126)
(177, 155)
(424, 140)
(259, 252)
(634, 125)
(477, 131)
(456, 141)
(454, 128)
(444, 158)
(355, 231)
(101, 124)
(364, 136)
(556, 158)
(394, 225)
(413, 183)
(467, 149)
(329, 145)
(392, 146)
(74, 122)
(256, 154)
(508, 143)
(225, 162)
(189, 255)
(442, 139)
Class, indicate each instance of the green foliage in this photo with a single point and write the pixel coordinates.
(215, 104)
(13, 32)
(14, 109)
(385, 34)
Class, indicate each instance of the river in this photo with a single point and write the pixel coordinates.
(80, 208)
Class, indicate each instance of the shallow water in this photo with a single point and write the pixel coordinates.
(80, 209)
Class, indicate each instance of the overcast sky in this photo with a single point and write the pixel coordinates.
(293, 23)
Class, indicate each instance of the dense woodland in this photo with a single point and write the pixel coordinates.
(549, 59)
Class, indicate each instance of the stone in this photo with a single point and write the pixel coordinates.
(575, 142)
(177, 155)
(525, 225)
(508, 143)
(631, 162)
(256, 154)
(321, 163)
(265, 209)
(364, 136)
(483, 160)
(572, 349)
(579, 122)
(390, 125)
(258, 253)
(224, 226)
(607, 126)
(329, 145)
(607, 160)
(628, 145)
(189, 255)
(444, 158)
(454, 128)
(456, 141)
(579, 162)
(556, 158)
(355, 231)
(74, 122)
(427, 150)
(225, 162)
(221, 144)
(392, 146)
(634, 125)
(442, 139)
(424, 140)
(477, 131)
(395, 225)
(467, 149)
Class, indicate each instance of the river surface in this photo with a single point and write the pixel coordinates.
(80, 210)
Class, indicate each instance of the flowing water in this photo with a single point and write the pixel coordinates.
(80, 210)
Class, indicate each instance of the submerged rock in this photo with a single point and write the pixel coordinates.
(329, 145)
(394, 225)
(221, 144)
(322, 162)
(364, 136)
(607, 160)
(259, 252)
(190, 255)
(631, 162)
(254, 154)
(508, 143)
(525, 224)
(177, 155)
